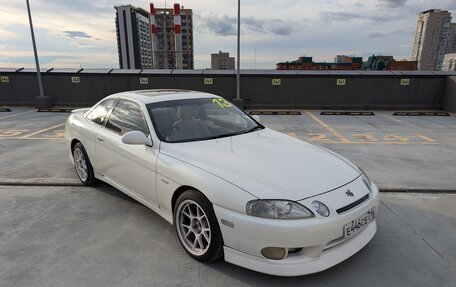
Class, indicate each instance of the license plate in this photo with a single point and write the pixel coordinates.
(357, 225)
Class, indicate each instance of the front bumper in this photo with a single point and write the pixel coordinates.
(321, 239)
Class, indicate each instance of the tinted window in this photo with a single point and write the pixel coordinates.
(199, 119)
(126, 116)
(100, 112)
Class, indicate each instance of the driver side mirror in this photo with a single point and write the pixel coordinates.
(256, 118)
(136, 138)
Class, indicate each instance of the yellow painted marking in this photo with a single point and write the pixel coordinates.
(18, 114)
(12, 133)
(365, 137)
(425, 138)
(55, 134)
(395, 137)
(327, 127)
(318, 137)
(42, 131)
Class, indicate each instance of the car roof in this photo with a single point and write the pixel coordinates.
(160, 95)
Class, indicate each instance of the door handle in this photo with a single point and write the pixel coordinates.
(100, 139)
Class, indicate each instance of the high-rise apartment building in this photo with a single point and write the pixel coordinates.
(159, 39)
(449, 62)
(133, 37)
(432, 38)
(222, 61)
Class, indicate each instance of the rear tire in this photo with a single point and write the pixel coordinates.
(197, 227)
(82, 165)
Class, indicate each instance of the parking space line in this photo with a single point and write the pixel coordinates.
(388, 117)
(425, 138)
(41, 131)
(327, 127)
(18, 114)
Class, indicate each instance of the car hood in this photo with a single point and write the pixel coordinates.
(267, 164)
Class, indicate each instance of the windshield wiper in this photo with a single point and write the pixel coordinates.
(255, 128)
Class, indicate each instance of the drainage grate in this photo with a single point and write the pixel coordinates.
(5, 110)
(276, 113)
(331, 113)
(438, 114)
(56, 110)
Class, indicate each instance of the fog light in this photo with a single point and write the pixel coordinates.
(274, 253)
(320, 208)
(294, 250)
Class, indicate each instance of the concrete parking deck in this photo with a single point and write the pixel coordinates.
(79, 236)
(398, 152)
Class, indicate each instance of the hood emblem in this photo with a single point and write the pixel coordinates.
(349, 193)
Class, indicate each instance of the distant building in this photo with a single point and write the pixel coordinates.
(160, 39)
(452, 39)
(377, 63)
(222, 61)
(449, 62)
(166, 38)
(387, 63)
(403, 65)
(133, 37)
(432, 38)
(306, 63)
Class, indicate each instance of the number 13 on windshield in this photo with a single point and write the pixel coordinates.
(222, 103)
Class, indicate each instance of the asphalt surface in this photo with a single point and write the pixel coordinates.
(79, 236)
(397, 152)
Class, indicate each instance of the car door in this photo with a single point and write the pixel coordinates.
(132, 167)
(94, 122)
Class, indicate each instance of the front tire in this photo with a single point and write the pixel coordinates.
(197, 227)
(82, 165)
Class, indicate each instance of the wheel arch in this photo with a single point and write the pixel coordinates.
(181, 189)
(73, 143)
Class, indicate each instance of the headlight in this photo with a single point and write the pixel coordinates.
(366, 180)
(277, 209)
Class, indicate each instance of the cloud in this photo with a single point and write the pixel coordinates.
(373, 35)
(76, 34)
(221, 25)
(224, 25)
(392, 3)
(376, 17)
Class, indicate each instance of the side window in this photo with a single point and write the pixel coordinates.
(99, 113)
(126, 116)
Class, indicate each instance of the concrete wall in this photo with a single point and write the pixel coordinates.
(449, 95)
(306, 89)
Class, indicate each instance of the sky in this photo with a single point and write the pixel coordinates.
(81, 33)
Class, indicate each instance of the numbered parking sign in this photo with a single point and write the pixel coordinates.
(4, 79)
(75, 80)
(340, 82)
(208, 81)
(405, 82)
(143, 81)
(276, 82)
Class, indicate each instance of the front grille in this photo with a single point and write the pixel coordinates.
(353, 204)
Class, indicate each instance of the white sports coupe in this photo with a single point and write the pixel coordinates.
(231, 187)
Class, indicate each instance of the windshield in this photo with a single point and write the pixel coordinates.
(199, 119)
